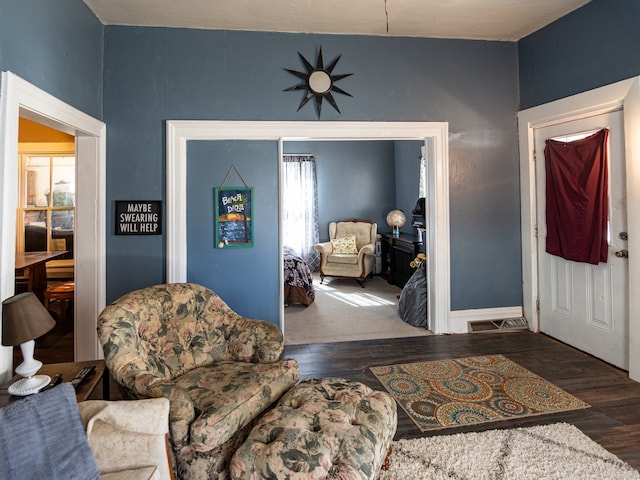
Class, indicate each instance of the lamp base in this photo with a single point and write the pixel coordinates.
(29, 386)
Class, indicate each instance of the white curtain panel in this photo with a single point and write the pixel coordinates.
(300, 207)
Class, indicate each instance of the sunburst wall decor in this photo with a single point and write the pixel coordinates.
(319, 82)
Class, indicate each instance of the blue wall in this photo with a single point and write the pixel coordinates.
(155, 74)
(137, 78)
(356, 179)
(593, 46)
(241, 276)
(57, 46)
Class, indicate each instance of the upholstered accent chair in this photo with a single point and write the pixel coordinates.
(350, 251)
(219, 370)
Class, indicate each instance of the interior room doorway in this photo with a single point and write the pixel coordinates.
(22, 99)
(354, 179)
(46, 223)
(180, 132)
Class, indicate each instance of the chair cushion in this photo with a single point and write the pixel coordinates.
(344, 244)
(42, 436)
(347, 259)
(232, 394)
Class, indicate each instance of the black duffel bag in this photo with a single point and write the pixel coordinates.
(412, 306)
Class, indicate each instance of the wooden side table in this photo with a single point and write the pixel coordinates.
(68, 371)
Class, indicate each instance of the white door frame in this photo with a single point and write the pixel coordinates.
(20, 98)
(623, 95)
(179, 132)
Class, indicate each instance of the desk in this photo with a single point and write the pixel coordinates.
(68, 371)
(35, 263)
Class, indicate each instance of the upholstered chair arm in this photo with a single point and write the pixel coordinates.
(149, 416)
(181, 411)
(128, 435)
(368, 249)
(255, 341)
(324, 248)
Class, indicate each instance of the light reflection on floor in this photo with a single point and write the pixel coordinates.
(354, 299)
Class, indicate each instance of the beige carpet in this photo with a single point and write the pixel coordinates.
(552, 452)
(344, 311)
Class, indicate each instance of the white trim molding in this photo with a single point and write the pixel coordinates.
(19, 98)
(179, 132)
(623, 95)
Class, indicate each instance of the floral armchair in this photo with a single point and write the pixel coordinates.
(219, 370)
(350, 251)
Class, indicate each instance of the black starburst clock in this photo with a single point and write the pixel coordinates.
(319, 82)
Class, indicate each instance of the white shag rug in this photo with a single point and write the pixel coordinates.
(558, 451)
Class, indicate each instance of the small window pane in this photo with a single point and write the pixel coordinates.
(37, 190)
(63, 179)
(62, 231)
(62, 219)
(35, 231)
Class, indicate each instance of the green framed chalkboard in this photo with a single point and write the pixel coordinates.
(233, 212)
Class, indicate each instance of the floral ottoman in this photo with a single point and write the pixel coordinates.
(322, 428)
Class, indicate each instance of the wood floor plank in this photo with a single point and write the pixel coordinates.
(613, 420)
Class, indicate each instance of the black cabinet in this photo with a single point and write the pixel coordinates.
(397, 254)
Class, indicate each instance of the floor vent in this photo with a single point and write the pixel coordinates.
(503, 325)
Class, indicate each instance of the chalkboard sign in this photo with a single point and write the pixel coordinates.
(138, 217)
(233, 217)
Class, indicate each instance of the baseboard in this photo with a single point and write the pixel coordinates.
(459, 319)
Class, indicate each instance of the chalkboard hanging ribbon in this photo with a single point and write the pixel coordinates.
(233, 167)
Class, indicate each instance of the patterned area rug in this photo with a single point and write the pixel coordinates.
(552, 452)
(450, 393)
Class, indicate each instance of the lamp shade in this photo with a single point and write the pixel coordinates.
(24, 318)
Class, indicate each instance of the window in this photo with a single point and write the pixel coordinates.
(46, 207)
(579, 136)
(300, 225)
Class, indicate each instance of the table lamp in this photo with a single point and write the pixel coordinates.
(396, 219)
(24, 319)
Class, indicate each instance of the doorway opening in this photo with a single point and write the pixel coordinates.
(179, 132)
(362, 180)
(46, 223)
(20, 99)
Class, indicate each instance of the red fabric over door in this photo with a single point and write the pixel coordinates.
(578, 198)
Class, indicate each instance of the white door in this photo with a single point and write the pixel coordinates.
(581, 304)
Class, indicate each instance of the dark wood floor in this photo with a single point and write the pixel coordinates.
(613, 419)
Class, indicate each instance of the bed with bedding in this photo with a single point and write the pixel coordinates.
(298, 280)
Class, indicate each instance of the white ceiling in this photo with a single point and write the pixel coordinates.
(507, 20)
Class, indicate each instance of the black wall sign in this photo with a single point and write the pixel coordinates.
(138, 217)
